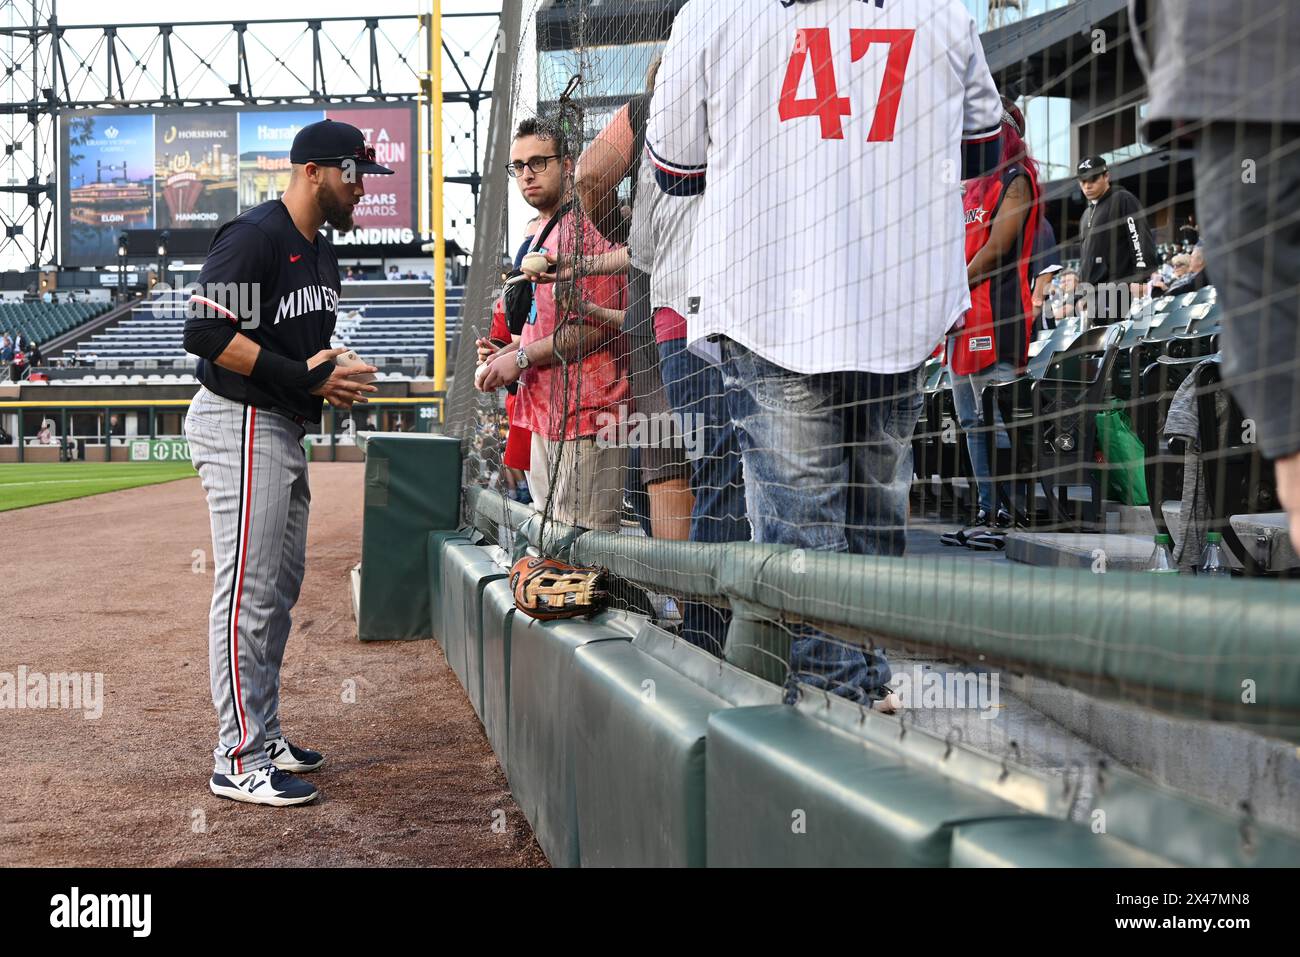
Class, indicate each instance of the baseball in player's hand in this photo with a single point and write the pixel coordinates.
(341, 389)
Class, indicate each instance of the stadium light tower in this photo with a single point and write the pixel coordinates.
(28, 99)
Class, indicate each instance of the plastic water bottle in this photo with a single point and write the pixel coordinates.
(1162, 559)
(1213, 561)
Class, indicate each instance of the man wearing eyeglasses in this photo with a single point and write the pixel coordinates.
(260, 319)
(570, 358)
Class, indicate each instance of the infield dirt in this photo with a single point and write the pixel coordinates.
(119, 584)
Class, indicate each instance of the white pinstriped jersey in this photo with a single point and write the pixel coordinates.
(827, 137)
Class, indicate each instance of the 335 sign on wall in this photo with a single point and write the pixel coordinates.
(814, 44)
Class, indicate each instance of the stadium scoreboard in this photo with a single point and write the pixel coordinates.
(190, 170)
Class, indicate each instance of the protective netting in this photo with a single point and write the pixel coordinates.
(974, 289)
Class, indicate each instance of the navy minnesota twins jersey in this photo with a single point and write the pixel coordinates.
(280, 290)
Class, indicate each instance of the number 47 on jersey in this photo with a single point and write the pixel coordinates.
(827, 105)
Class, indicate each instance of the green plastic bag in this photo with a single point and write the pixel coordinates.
(1119, 446)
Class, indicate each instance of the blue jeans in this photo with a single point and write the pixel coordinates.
(822, 460)
(695, 391)
(967, 399)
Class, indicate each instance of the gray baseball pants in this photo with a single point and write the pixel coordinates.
(254, 471)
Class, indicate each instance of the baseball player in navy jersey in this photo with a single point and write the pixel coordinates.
(260, 321)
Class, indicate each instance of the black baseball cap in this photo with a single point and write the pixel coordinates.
(1090, 167)
(331, 143)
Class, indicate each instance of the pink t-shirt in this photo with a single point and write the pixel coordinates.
(598, 383)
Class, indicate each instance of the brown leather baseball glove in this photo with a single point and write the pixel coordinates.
(547, 589)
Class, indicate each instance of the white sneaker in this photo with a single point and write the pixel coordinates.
(267, 785)
(290, 757)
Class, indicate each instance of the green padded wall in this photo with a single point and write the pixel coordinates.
(433, 562)
(412, 487)
(711, 673)
(638, 744)
(757, 644)
(1186, 830)
(541, 752)
(498, 616)
(772, 771)
(475, 589)
(465, 570)
(1043, 842)
(451, 633)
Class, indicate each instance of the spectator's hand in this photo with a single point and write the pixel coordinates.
(485, 350)
(1288, 492)
(543, 277)
(501, 370)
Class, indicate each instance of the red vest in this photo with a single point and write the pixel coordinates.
(974, 346)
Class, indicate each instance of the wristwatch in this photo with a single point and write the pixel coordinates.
(521, 359)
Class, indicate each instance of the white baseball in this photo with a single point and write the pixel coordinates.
(536, 262)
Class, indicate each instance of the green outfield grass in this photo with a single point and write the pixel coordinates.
(24, 484)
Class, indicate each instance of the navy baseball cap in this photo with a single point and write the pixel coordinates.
(331, 143)
(1090, 167)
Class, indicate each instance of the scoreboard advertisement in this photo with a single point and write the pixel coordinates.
(188, 171)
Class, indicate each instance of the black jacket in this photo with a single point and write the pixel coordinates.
(1116, 242)
(265, 280)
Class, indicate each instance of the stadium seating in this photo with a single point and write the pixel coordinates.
(386, 331)
(41, 321)
(1074, 372)
(1052, 423)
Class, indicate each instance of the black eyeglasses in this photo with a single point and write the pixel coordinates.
(537, 164)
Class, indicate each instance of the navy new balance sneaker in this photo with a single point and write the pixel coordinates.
(267, 785)
(290, 757)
